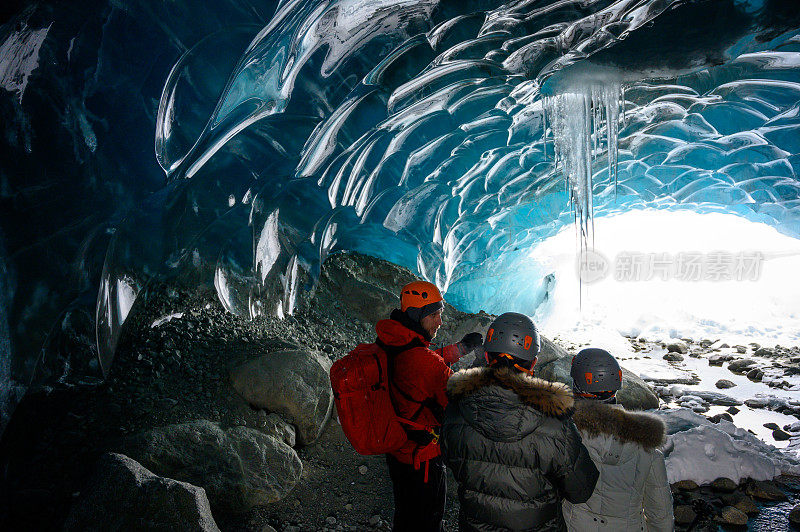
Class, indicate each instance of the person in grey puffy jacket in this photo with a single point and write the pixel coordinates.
(508, 438)
(632, 492)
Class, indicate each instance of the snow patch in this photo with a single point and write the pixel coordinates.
(19, 57)
(164, 319)
(702, 451)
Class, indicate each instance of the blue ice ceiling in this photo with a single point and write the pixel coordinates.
(446, 136)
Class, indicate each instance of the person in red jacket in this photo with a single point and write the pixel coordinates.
(418, 377)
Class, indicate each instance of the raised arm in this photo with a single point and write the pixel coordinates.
(453, 352)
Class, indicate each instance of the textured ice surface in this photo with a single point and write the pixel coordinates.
(700, 450)
(19, 57)
(447, 136)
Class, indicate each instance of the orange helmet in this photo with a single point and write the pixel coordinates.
(418, 295)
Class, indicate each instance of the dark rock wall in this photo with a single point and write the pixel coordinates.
(77, 147)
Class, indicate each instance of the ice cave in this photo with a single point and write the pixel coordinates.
(199, 198)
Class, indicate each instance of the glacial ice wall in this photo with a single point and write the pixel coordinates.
(79, 90)
(446, 136)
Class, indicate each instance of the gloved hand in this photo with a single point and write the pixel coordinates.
(470, 342)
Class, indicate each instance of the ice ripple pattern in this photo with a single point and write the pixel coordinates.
(452, 136)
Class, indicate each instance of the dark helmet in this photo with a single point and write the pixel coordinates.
(596, 373)
(514, 334)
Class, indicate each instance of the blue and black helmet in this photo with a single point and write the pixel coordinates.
(596, 372)
(513, 334)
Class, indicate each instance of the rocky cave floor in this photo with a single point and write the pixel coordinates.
(173, 367)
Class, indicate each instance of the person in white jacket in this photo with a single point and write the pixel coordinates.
(632, 492)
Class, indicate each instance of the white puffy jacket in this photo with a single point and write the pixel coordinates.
(632, 492)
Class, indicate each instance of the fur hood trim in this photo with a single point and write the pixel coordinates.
(637, 427)
(552, 399)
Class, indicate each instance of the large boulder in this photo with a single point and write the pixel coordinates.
(741, 365)
(365, 300)
(634, 395)
(764, 490)
(550, 351)
(794, 516)
(275, 425)
(293, 383)
(731, 515)
(239, 467)
(367, 287)
(123, 495)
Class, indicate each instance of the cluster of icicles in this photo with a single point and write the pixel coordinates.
(584, 124)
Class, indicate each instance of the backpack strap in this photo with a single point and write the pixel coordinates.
(391, 354)
(424, 455)
(425, 437)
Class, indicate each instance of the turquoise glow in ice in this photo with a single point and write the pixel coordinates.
(447, 136)
(452, 142)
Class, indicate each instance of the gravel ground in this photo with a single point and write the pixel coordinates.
(171, 366)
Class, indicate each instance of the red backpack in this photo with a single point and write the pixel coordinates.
(360, 383)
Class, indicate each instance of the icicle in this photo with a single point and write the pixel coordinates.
(578, 253)
(544, 127)
(595, 122)
(612, 105)
(576, 119)
(586, 173)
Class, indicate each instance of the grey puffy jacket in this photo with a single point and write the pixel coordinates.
(632, 492)
(513, 449)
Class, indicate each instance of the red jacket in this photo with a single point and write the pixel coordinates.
(419, 380)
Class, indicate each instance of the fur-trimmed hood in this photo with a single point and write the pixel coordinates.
(643, 429)
(553, 399)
